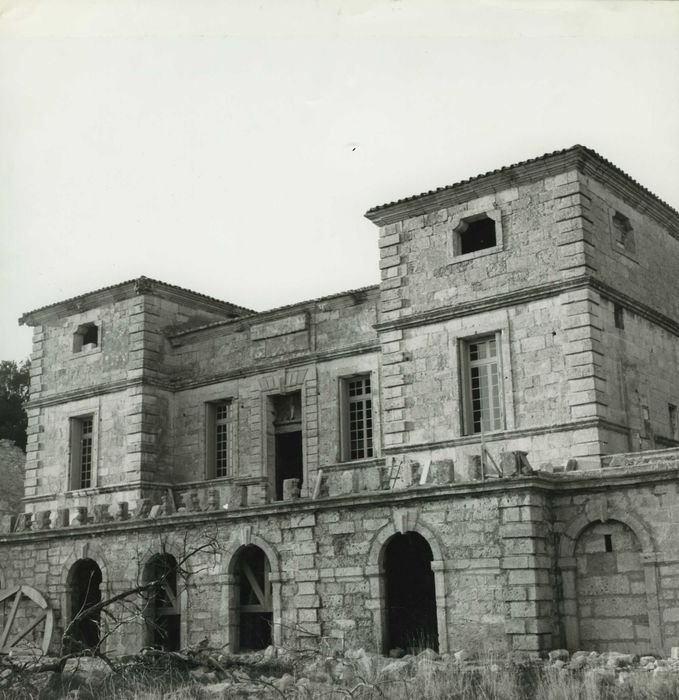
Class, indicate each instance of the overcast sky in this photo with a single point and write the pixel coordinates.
(233, 147)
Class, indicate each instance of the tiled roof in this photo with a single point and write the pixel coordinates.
(543, 159)
(252, 316)
(139, 281)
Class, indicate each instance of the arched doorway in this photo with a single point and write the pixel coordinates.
(410, 594)
(611, 596)
(84, 581)
(162, 612)
(253, 600)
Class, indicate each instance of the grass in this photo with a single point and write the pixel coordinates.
(433, 681)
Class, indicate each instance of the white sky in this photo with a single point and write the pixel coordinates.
(233, 147)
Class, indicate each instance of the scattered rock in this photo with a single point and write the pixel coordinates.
(286, 681)
(396, 653)
(428, 654)
(396, 670)
(559, 655)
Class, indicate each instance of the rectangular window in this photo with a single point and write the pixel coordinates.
(623, 233)
(357, 423)
(674, 421)
(82, 451)
(618, 316)
(218, 439)
(482, 397)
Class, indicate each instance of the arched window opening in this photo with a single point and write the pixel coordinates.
(163, 615)
(84, 580)
(254, 601)
(410, 594)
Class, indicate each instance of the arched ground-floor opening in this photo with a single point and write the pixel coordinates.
(253, 606)
(162, 610)
(612, 607)
(410, 594)
(84, 582)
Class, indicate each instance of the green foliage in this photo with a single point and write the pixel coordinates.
(14, 384)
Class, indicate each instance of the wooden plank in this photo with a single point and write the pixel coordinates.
(253, 582)
(10, 620)
(28, 630)
(9, 593)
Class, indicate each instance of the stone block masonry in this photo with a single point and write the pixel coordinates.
(497, 418)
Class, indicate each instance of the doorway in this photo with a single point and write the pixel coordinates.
(84, 581)
(286, 456)
(254, 606)
(162, 611)
(411, 622)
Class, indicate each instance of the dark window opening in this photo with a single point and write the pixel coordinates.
(288, 461)
(86, 337)
(162, 611)
(477, 235)
(619, 316)
(254, 600)
(608, 543)
(623, 232)
(84, 581)
(410, 594)
(674, 421)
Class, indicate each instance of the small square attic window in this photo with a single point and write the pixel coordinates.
(474, 234)
(86, 337)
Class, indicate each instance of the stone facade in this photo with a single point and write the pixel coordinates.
(495, 424)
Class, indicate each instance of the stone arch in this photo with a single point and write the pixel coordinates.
(162, 605)
(88, 550)
(84, 582)
(182, 594)
(230, 588)
(403, 522)
(642, 532)
(569, 575)
(83, 550)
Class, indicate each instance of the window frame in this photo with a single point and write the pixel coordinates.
(76, 426)
(78, 347)
(627, 246)
(466, 365)
(368, 443)
(460, 224)
(212, 423)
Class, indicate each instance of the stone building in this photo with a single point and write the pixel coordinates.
(480, 451)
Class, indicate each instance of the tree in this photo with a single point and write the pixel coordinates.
(14, 383)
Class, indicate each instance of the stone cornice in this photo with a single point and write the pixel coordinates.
(253, 370)
(525, 296)
(177, 338)
(554, 484)
(580, 158)
(180, 385)
(499, 436)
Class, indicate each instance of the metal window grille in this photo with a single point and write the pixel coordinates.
(485, 409)
(360, 418)
(86, 436)
(221, 439)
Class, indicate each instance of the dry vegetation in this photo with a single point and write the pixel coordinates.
(203, 674)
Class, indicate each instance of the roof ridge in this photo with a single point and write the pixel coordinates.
(144, 284)
(546, 156)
